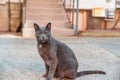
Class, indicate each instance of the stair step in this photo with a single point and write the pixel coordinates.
(42, 5)
(44, 1)
(46, 21)
(55, 24)
(101, 33)
(55, 32)
(45, 14)
(64, 32)
(45, 10)
(47, 17)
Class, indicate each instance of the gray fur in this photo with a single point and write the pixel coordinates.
(59, 59)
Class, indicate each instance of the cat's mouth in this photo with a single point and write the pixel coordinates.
(43, 41)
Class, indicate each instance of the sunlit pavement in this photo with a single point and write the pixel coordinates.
(19, 59)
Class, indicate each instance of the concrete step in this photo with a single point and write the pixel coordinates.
(44, 6)
(44, 1)
(55, 24)
(101, 33)
(51, 5)
(45, 10)
(46, 17)
(46, 14)
(63, 32)
(55, 32)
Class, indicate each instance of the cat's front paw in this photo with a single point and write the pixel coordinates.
(49, 79)
(44, 76)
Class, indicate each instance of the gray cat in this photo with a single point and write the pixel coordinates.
(59, 59)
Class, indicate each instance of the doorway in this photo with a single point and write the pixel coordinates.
(94, 23)
(11, 16)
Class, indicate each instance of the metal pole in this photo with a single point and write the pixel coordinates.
(73, 13)
(77, 14)
(24, 12)
(9, 17)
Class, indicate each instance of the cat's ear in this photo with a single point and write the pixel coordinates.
(36, 27)
(48, 26)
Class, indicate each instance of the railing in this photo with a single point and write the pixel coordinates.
(69, 7)
(24, 11)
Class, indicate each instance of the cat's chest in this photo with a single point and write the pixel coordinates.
(44, 51)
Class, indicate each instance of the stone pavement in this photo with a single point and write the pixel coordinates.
(19, 59)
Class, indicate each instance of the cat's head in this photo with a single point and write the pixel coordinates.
(42, 34)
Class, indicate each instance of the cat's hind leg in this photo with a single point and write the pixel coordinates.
(69, 75)
(66, 79)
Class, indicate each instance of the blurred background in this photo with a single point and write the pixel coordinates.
(71, 17)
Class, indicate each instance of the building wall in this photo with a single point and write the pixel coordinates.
(16, 15)
(85, 4)
(80, 20)
(3, 17)
(87, 22)
(10, 16)
(111, 23)
(4, 1)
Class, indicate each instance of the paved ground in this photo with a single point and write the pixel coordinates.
(19, 59)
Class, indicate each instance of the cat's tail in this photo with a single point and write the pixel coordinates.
(89, 72)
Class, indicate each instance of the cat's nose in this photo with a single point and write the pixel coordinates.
(43, 37)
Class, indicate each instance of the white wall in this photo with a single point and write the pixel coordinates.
(90, 4)
(4, 1)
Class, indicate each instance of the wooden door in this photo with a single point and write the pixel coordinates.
(94, 23)
(4, 18)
